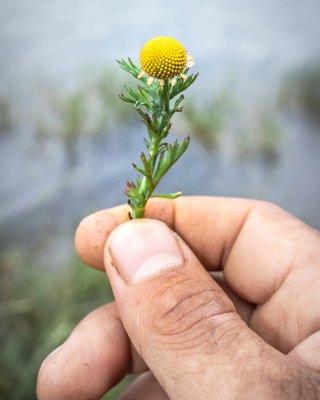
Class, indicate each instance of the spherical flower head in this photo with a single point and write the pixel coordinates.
(163, 57)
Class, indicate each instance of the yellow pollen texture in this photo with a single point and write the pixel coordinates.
(163, 57)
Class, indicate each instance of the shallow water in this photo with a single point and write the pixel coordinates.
(253, 44)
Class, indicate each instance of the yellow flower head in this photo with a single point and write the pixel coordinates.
(163, 57)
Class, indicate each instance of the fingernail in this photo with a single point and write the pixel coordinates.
(143, 248)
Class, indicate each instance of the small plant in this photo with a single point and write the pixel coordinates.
(65, 122)
(5, 115)
(208, 119)
(261, 137)
(301, 89)
(70, 118)
(163, 76)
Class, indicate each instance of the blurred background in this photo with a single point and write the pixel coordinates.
(67, 141)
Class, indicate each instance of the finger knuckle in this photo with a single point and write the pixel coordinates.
(189, 314)
(267, 207)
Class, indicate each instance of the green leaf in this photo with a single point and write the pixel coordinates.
(126, 99)
(178, 101)
(167, 195)
(182, 85)
(129, 66)
(170, 156)
(147, 170)
(139, 169)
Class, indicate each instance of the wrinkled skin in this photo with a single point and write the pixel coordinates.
(240, 320)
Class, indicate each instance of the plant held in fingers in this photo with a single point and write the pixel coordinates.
(163, 76)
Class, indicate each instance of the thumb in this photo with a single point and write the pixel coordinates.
(179, 319)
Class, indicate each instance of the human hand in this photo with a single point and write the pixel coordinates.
(172, 318)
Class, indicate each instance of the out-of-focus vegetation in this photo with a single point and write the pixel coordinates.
(85, 113)
(5, 115)
(38, 310)
(207, 122)
(261, 137)
(301, 88)
(94, 110)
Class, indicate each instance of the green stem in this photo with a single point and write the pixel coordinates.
(166, 89)
(147, 187)
(138, 212)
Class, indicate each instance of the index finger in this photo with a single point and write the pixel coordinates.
(254, 242)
